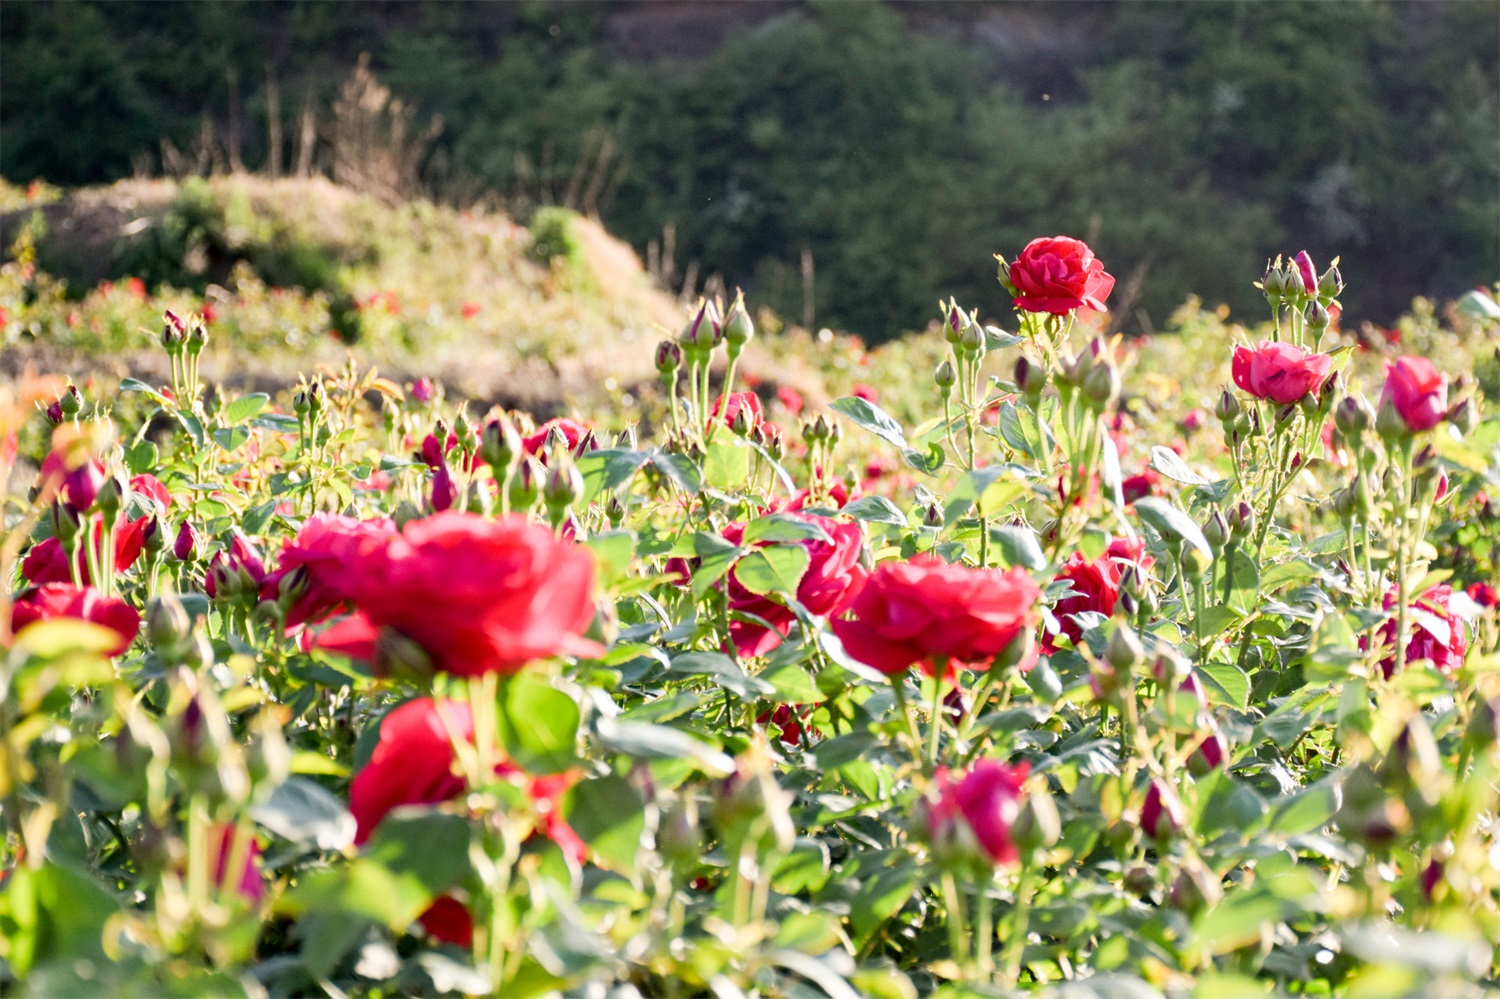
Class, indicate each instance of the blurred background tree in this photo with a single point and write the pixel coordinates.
(883, 150)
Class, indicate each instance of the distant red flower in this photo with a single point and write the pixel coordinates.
(1096, 586)
(728, 409)
(791, 399)
(571, 431)
(1483, 594)
(470, 310)
(250, 883)
(833, 577)
(63, 600)
(1139, 486)
(926, 609)
(47, 562)
(136, 287)
(1279, 372)
(1434, 632)
(865, 392)
(1417, 390)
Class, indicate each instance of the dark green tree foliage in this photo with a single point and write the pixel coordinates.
(894, 143)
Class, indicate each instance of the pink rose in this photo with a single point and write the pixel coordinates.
(1279, 372)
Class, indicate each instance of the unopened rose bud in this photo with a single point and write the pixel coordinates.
(1273, 284)
(1037, 825)
(563, 486)
(1316, 315)
(500, 445)
(1216, 531)
(1169, 668)
(55, 413)
(1227, 409)
(668, 357)
(972, 340)
(526, 484)
(1101, 385)
(743, 422)
(1030, 377)
(1207, 757)
(71, 401)
(1464, 415)
(1194, 890)
(933, 515)
(167, 622)
(82, 485)
(946, 377)
(1005, 281)
(1124, 651)
(1389, 424)
(1331, 283)
(738, 327)
(1105, 681)
(679, 837)
(954, 323)
(197, 339)
(444, 491)
(1241, 521)
(1351, 417)
(1162, 815)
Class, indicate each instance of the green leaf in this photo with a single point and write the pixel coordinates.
(777, 569)
(727, 464)
(609, 469)
(136, 385)
(872, 418)
(1172, 522)
(876, 510)
(679, 469)
(970, 488)
(715, 557)
(659, 742)
(783, 527)
(724, 671)
(614, 550)
(231, 438)
(256, 518)
(1310, 810)
(1013, 429)
(607, 813)
(1226, 683)
(792, 684)
(280, 423)
(1018, 546)
(997, 339)
(194, 428)
(432, 848)
(538, 725)
(878, 899)
(1169, 463)
(141, 457)
(302, 811)
(1239, 920)
(245, 407)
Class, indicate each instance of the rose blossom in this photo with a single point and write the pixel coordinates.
(322, 550)
(926, 609)
(478, 595)
(729, 409)
(1096, 586)
(1058, 275)
(1417, 391)
(47, 562)
(984, 804)
(1280, 372)
(54, 600)
(573, 433)
(1434, 632)
(833, 577)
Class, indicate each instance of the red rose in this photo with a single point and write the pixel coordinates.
(249, 883)
(791, 399)
(1307, 272)
(1096, 588)
(926, 609)
(571, 431)
(729, 409)
(1279, 372)
(1140, 486)
(55, 600)
(237, 569)
(478, 595)
(1059, 275)
(1434, 632)
(413, 764)
(449, 920)
(838, 498)
(322, 550)
(833, 577)
(150, 485)
(985, 804)
(48, 563)
(1162, 815)
(1483, 594)
(1417, 390)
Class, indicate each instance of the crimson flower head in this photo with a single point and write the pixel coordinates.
(1096, 588)
(47, 562)
(1434, 632)
(1058, 275)
(571, 431)
(980, 807)
(1307, 272)
(63, 600)
(926, 609)
(324, 550)
(747, 402)
(478, 595)
(1418, 392)
(833, 577)
(1280, 372)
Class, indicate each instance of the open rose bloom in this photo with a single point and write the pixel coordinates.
(1418, 392)
(1058, 275)
(1279, 372)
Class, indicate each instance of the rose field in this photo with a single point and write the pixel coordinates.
(1013, 656)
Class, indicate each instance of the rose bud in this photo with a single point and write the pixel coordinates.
(1227, 409)
(444, 490)
(1030, 377)
(188, 544)
(972, 341)
(1273, 284)
(668, 357)
(1162, 815)
(1207, 757)
(421, 390)
(526, 484)
(81, 486)
(1124, 651)
(933, 515)
(1241, 522)
(1416, 393)
(738, 327)
(1216, 531)
(1351, 416)
(1194, 890)
(70, 402)
(563, 486)
(1101, 385)
(1307, 275)
(954, 323)
(945, 377)
(167, 622)
(1037, 826)
(55, 413)
(1139, 880)
(1316, 315)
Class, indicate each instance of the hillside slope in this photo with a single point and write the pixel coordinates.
(295, 273)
